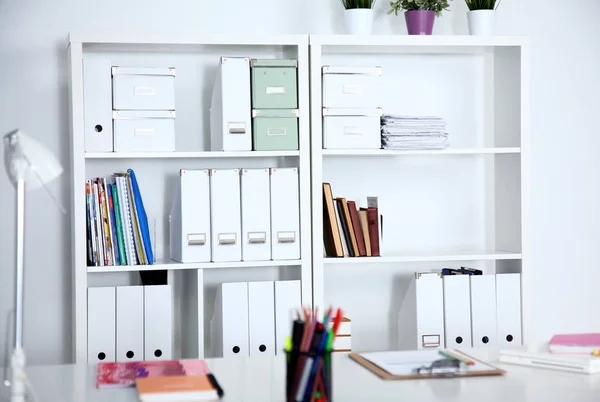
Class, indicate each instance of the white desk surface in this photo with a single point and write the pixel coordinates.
(263, 379)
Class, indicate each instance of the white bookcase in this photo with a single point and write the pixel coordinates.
(194, 285)
(467, 205)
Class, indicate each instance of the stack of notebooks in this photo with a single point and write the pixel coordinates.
(413, 133)
(170, 380)
(348, 231)
(117, 225)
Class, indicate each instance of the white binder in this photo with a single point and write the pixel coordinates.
(285, 214)
(508, 309)
(457, 311)
(158, 323)
(130, 323)
(230, 110)
(97, 105)
(225, 220)
(421, 316)
(287, 300)
(190, 217)
(483, 310)
(101, 325)
(230, 321)
(256, 215)
(261, 318)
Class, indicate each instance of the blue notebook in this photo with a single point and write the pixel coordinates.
(142, 218)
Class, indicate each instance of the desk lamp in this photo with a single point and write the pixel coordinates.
(29, 165)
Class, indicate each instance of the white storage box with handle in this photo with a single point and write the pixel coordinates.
(144, 132)
(143, 88)
(351, 87)
(352, 128)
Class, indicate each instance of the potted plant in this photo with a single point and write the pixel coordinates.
(420, 14)
(482, 16)
(359, 16)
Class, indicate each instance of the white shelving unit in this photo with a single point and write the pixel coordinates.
(468, 204)
(440, 208)
(194, 285)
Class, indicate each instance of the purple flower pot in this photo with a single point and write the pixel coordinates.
(420, 22)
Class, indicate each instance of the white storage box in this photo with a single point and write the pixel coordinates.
(351, 129)
(351, 87)
(144, 132)
(143, 88)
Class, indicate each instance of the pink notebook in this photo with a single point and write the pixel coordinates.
(574, 343)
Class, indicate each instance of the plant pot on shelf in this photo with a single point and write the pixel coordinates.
(420, 22)
(359, 21)
(482, 22)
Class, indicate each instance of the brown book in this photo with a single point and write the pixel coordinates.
(348, 219)
(360, 241)
(364, 226)
(373, 222)
(331, 232)
(348, 250)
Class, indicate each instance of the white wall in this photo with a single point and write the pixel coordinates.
(566, 170)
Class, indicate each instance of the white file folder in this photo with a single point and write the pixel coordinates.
(508, 309)
(285, 215)
(421, 316)
(261, 318)
(225, 219)
(130, 323)
(230, 321)
(256, 215)
(483, 310)
(101, 325)
(158, 323)
(190, 217)
(287, 300)
(457, 311)
(97, 105)
(230, 111)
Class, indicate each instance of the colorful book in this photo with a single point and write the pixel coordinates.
(119, 224)
(575, 343)
(176, 388)
(113, 223)
(142, 217)
(99, 225)
(105, 226)
(135, 224)
(123, 375)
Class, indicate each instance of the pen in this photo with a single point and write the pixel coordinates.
(455, 357)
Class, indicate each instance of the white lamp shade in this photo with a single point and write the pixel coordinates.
(26, 158)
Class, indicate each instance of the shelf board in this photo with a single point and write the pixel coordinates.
(174, 266)
(449, 151)
(447, 41)
(189, 155)
(495, 256)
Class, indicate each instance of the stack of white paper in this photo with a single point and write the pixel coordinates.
(408, 132)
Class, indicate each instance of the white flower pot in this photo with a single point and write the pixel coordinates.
(359, 21)
(482, 22)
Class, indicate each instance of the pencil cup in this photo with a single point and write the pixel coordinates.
(308, 376)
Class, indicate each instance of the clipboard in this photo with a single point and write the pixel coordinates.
(385, 375)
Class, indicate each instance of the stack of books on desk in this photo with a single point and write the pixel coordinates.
(117, 225)
(413, 133)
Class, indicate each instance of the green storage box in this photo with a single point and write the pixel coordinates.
(275, 129)
(274, 84)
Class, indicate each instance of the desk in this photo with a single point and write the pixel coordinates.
(262, 380)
